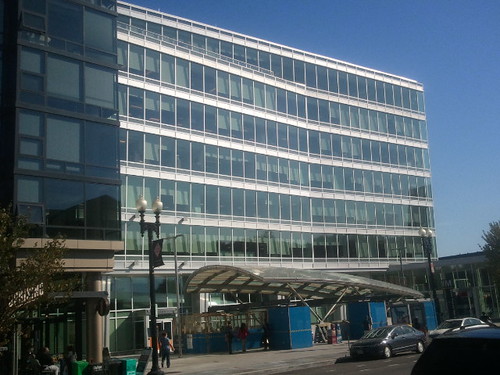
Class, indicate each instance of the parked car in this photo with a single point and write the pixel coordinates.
(386, 341)
(467, 351)
(451, 325)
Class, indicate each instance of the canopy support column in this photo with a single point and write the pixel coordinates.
(334, 305)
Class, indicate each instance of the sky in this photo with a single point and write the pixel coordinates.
(451, 46)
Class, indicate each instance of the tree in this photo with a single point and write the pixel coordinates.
(491, 250)
(31, 280)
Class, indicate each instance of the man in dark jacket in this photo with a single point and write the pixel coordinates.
(46, 361)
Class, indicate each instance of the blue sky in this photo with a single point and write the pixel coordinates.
(451, 46)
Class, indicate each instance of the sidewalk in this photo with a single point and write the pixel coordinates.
(256, 361)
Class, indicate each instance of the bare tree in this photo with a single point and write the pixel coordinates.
(29, 281)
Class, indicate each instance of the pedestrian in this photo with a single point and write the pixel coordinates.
(367, 324)
(266, 333)
(229, 337)
(46, 361)
(485, 317)
(416, 324)
(242, 335)
(69, 358)
(165, 347)
(32, 363)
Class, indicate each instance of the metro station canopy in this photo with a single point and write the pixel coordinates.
(309, 284)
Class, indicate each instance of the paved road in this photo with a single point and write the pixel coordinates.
(398, 365)
(257, 362)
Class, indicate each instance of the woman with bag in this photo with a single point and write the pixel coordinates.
(242, 335)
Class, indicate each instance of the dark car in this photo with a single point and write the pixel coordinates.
(468, 351)
(386, 341)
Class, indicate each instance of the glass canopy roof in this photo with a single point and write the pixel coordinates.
(309, 284)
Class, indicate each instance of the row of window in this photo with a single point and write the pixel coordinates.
(74, 209)
(192, 115)
(86, 88)
(67, 145)
(133, 292)
(251, 243)
(146, 104)
(312, 75)
(199, 199)
(209, 80)
(71, 27)
(193, 156)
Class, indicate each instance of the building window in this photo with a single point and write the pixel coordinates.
(63, 141)
(68, 88)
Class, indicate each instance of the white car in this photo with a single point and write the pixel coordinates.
(452, 325)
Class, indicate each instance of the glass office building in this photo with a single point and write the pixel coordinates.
(273, 155)
(59, 145)
(65, 145)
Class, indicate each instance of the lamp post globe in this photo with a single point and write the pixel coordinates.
(157, 206)
(141, 204)
(423, 232)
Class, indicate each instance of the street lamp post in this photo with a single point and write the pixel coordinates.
(177, 291)
(178, 327)
(426, 235)
(141, 205)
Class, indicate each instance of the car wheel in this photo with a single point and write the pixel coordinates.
(420, 347)
(387, 352)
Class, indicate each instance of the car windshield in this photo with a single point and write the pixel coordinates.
(377, 333)
(450, 324)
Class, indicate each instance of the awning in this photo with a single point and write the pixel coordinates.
(309, 284)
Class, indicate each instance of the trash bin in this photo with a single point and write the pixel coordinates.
(128, 366)
(94, 369)
(114, 367)
(78, 367)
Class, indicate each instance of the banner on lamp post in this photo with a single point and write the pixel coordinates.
(156, 253)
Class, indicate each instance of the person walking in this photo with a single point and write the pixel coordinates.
(69, 358)
(229, 337)
(416, 324)
(47, 362)
(165, 346)
(266, 333)
(485, 318)
(242, 335)
(367, 324)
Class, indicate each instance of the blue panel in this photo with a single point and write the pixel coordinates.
(290, 328)
(279, 318)
(378, 314)
(301, 339)
(207, 343)
(356, 314)
(300, 318)
(279, 328)
(300, 326)
(430, 315)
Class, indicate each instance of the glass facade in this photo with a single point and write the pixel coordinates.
(273, 155)
(464, 284)
(59, 148)
(67, 176)
(272, 158)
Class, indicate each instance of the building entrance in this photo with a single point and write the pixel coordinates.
(161, 326)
